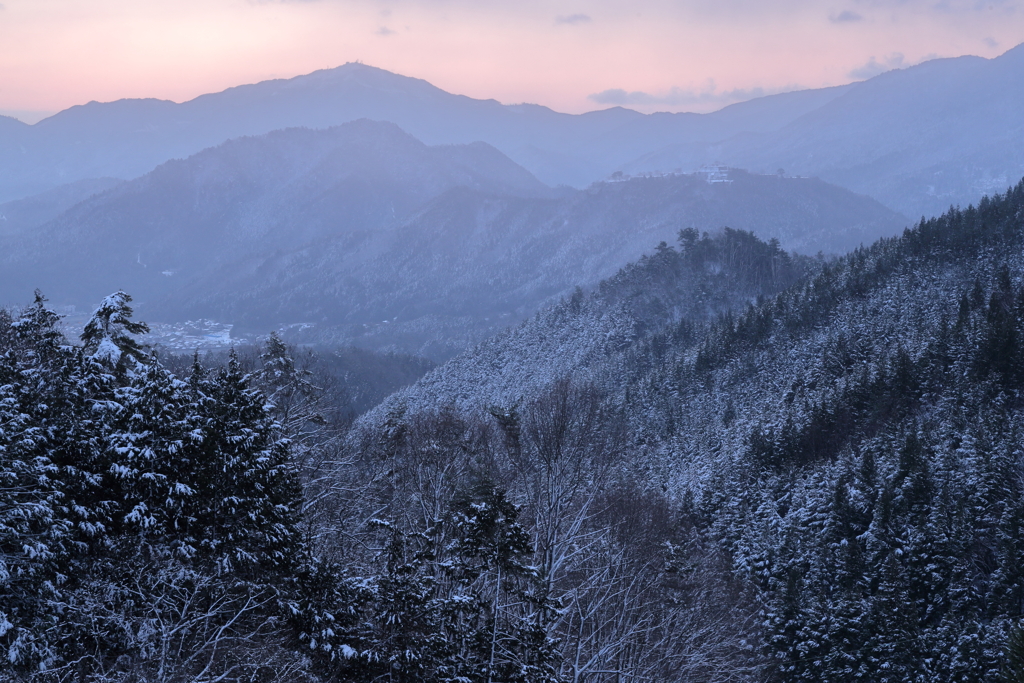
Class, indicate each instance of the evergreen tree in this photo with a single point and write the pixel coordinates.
(34, 537)
(148, 526)
(108, 336)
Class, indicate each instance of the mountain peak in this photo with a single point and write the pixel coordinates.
(349, 73)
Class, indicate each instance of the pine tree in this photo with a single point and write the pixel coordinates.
(405, 638)
(488, 565)
(33, 535)
(108, 336)
(148, 526)
(244, 513)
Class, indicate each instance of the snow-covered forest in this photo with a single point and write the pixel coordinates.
(725, 463)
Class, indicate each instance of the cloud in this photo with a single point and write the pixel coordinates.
(681, 96)
(385, 31)
(992, 42)
(894, 61)
(573, 19)
(950, 7)
(846, 17)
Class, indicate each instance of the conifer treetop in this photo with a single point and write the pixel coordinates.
(108, 334)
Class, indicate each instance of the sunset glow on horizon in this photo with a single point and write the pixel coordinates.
(651, 55)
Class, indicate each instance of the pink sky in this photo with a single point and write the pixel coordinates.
(574, 56)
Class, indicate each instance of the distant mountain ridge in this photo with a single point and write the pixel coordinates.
(471, 262)
(254, 195)
(921, 139)
(916, 139)
(362, 234)
(127, 138)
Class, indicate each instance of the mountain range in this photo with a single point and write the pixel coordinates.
(362, 234)
(917, 139)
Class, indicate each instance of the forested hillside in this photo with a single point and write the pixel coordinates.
(854, 444)
(209, 526)
(471, 261)
(587, 334)
(850, 445)
(724, 464)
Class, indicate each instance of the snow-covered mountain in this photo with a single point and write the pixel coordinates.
(919, 140)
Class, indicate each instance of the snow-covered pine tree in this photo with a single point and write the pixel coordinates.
(108, 336)
(34, 536)
(488, 581)
(148, 526)
(245, 512)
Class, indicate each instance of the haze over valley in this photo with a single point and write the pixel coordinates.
(371, 237)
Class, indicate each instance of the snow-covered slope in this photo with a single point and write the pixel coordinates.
(851, 444)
